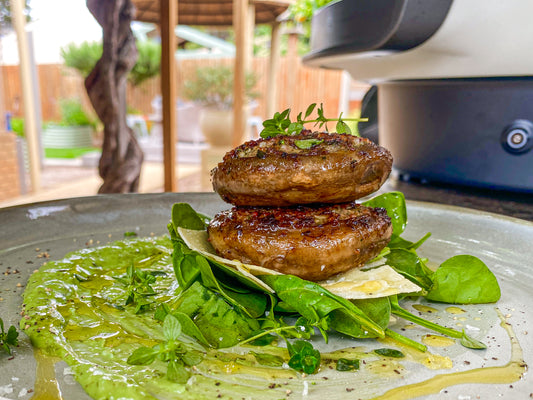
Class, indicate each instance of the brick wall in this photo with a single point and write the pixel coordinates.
(9, 170)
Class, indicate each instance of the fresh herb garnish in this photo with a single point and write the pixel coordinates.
(281, 124)
(138, 287)
(177, 354)
(9, 338)
(344, 364)
(389, 353)
(304, 357)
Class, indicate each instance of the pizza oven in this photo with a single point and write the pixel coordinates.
(452, 83)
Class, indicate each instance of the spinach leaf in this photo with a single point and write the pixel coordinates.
(466, 340)
(394, 203)
(464, 279)
(401, 243)
(184, 216)
(184, 264)
(221, 324)
(377, 309)
(252, 304)
(408, 264)
(314, 303)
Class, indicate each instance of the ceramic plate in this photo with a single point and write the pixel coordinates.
(30, 234)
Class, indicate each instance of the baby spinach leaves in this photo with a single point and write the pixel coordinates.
(9, 338)
(219, 306)
(315, 303)
(177, 354)
(464, 279)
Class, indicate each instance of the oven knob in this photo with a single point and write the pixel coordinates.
(517, 137)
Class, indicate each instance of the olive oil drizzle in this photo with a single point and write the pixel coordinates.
(508, 373)
(46, 385)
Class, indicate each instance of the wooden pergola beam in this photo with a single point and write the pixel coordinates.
(273, 66)
(169, 20)
(30, 123)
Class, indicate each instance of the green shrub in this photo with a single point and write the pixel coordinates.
(17, 126)
(83, 57)
(213, 86)
(72, 113)
(148, 63)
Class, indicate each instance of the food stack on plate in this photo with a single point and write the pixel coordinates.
(294, 203)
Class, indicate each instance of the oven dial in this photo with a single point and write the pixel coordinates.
(517, 137)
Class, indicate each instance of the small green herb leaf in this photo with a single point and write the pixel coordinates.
(310, 109)
(171, 328)
(344, 364)
(143, 356)
(389, 353)
(176, 372)
(304, 357)
(306, 144)
(9, 338)
(472, 343)
(281, 124)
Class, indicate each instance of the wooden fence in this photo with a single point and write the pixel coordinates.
(298, 86)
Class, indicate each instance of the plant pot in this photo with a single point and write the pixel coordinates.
(217, 126)
(65, 137)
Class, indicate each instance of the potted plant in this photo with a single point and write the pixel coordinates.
(213, 88)
(74, 130)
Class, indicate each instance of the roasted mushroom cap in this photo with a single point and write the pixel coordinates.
(312, 242)
(307, 168)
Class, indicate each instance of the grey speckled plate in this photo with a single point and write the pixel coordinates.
(30, 233)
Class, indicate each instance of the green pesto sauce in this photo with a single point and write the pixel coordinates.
(75, 309)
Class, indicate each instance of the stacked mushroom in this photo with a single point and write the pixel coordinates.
(294, 203)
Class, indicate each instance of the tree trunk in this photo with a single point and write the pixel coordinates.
(122, 157)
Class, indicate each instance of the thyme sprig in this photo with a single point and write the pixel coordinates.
(281, 124)
(138, 287)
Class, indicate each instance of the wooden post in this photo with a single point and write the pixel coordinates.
(168, 21)
(30, 128)
(273, 66)
(239, 26)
